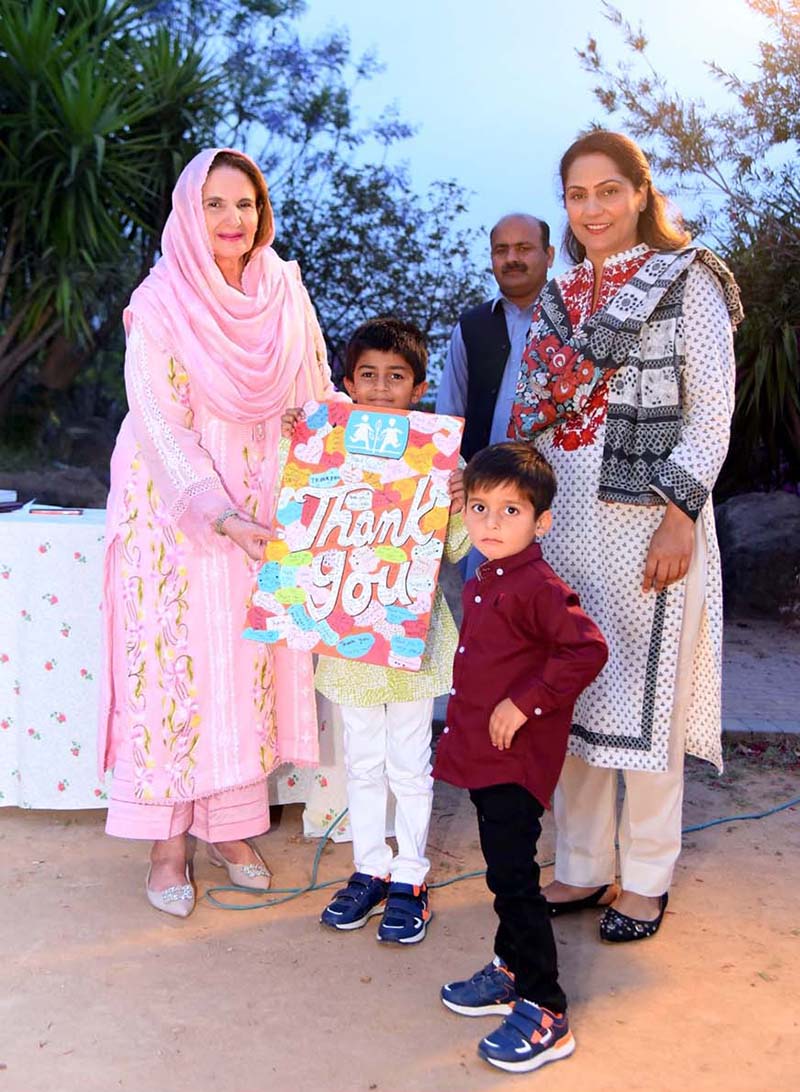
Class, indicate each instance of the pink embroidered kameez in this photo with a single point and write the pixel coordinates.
(190, 709)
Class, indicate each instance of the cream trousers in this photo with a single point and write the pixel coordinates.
(585, 801)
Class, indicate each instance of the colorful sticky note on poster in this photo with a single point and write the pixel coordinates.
(362, 517)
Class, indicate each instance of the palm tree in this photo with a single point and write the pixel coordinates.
(98, 112)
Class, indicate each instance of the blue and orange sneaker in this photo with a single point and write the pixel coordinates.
(488, 992)
(530, 1037)
(406, 916)
(352, 906)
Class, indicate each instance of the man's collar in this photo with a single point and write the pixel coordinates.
(501, 566)
(500, 298)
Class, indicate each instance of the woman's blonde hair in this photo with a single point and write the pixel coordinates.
(656, 227)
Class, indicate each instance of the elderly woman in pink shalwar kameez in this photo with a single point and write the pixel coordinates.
(221, 339)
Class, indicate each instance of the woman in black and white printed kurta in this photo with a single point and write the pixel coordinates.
(626, 387)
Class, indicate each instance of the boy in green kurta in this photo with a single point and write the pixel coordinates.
(387, 712)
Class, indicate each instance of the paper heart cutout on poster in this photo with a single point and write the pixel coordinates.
(448, 442)
(385, 498)
(295, 476)
(301, 432)
(256, 617)
(339, 412)
(309, 452)
(406, 487)
(341, 622)
(426, 423)
(442, 461)
(296, 537)
(435, 519)
(420, 459)
(417, 628)
(417, 439)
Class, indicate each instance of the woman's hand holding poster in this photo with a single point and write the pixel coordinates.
(362, 517)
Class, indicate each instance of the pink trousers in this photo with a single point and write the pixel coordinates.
(224, 817)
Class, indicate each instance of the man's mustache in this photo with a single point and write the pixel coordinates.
(515, 267)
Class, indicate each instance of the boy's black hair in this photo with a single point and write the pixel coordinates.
(516, 463)
(387, 334)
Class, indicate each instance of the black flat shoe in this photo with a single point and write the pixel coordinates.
(617, 928)
(588, 902)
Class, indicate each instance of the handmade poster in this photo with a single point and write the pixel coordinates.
(361, 518)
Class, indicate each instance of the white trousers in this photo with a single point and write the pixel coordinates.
(585, 800)
(388, 747)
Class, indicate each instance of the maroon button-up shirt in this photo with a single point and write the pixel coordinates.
(524, 637)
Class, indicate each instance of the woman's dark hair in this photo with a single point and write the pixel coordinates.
(656, 227)
(388, 335)
(266, 221)
(516, 463)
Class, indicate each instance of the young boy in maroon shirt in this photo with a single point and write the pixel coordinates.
(525, 652)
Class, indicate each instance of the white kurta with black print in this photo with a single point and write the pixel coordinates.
(598, 547)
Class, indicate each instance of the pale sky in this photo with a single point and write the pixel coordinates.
(495, 87)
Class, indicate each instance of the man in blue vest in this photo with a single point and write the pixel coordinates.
(480, 374)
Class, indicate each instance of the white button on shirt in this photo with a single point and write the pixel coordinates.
(445, 730)
(499, 572)
(537, 711)
(453, 690)
(477, 599)
(461, 649)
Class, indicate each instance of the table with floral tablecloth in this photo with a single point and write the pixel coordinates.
(51, 564)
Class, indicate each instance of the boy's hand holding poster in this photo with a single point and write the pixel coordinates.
(362, 514)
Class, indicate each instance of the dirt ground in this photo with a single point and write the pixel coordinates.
(103, 993)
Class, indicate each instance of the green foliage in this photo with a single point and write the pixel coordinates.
(103, 102)
(740, 164)
(366, 242)
(98, 113)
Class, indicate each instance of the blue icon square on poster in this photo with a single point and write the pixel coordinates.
(382, 434)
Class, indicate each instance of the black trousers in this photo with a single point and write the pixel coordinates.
(508, 822)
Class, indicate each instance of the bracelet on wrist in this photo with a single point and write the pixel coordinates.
(220, 520)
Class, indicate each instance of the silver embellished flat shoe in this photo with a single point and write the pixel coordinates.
(256, 876)
(177, 900)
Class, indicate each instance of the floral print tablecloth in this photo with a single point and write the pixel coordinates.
(50, 582)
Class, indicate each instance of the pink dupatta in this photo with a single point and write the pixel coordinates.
(245, 349)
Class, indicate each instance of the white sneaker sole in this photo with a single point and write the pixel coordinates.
(406, 940)
(344, 928)
(562, 1049)
(500, 1009)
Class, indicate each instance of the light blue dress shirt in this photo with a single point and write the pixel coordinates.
(452, 394)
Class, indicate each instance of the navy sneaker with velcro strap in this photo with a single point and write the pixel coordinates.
(489, 992)
(352, 906)
(406, 915)
(530, 1037)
